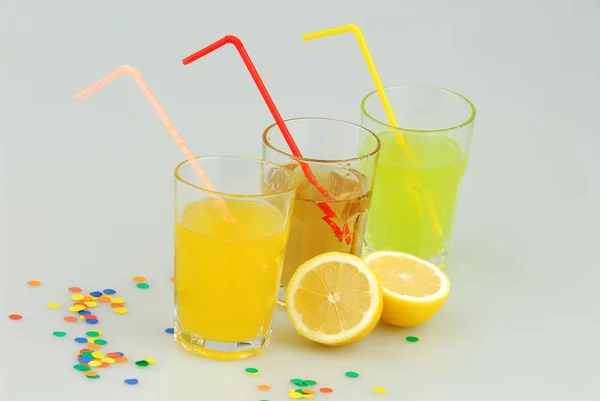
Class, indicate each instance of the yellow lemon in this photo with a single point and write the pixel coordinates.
(413, 289)
(334, 299)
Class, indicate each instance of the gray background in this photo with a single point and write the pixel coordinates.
(86, 188)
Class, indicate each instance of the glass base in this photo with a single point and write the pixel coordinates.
(281, 295)
(439, 260)
(226, 351)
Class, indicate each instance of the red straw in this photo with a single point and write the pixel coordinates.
(268, 100)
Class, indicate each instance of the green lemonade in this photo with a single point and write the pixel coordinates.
(412, 207)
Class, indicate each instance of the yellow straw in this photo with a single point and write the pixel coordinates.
(384, 100)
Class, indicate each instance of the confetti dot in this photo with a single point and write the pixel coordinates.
(297, 381)
(379, 390)
(85, 359)
(95, 364)
(108, 360)
(59, 334)
(121, 310)
(143, 286)
(84, 312)
(90, 317)
(77, 308)
(34, 283)
(104, 299)
(98, 355)
(93, 333)
(53, 305)
(113, 355)
(15, 316)
(100, 342)
(70, 319)
(310, 382)
(170, 330)
(93, 377)
(326, 390)
(104, 365)
(109, 291)
(142, 363)
(82, 368)
(139, 279)
(113, 305)
(91, 373)
(131, 381)
(91, 321)
(252, 370)
(150, 361)
(81, 340)
(118, 300)
(121, 359)
(74, 289)
(294, 395)
(352, 375)
(91, 304)
(263, 387)
(77, 297)
(96, 294)
(95, 347)
(412, 339)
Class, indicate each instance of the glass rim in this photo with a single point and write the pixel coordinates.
(209, 192)
(312, 160)
(420, 131)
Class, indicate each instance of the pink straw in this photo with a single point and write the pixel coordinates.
(137, 77)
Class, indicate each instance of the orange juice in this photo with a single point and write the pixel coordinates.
(227, 274)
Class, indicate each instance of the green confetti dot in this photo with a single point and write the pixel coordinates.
(92, 334)
(82, 368)
(59, 334)
(352, 375)
(143, 286)
(100, 342)
(299, 390)
(93, 377)
(297, 381)
(87, 353)
(310, 382)
(251, 370)
(412, 339)
(142, 363)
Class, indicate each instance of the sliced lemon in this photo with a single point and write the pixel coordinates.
(334, 299)
(413, 289)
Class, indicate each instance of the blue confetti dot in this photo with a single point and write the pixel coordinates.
(109, 291)
(131, 381)
(85, 359)
(96, 294)
(170, 330)
(91, 321)
(81, 340)
(84, 312)
(120, 353)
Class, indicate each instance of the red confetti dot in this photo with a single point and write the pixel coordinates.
(104, 365)
(326, 390)
(90, 317)
(113, 355)
(15, 317)
(113, 305)
(75, 289)
(70, 319)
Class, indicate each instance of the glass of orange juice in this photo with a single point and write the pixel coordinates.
(343, 157)
(229, 249)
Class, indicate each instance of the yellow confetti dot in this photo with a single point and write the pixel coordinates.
(82, 317)
(53, 305)
(91, 304)
(77, 297)
(117, 300)
(295, 395)
(76, 308)
(98, 355)
(121, 310)
(150, 361)
(380, 390)
(108, 360)
(100, 333)
(95, 364)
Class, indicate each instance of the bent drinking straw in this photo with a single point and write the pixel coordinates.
(137, 77)
(362, 43)
(237, 43)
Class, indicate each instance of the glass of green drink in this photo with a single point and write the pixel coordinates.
(420, 167)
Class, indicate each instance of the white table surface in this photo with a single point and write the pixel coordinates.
(86, 189)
